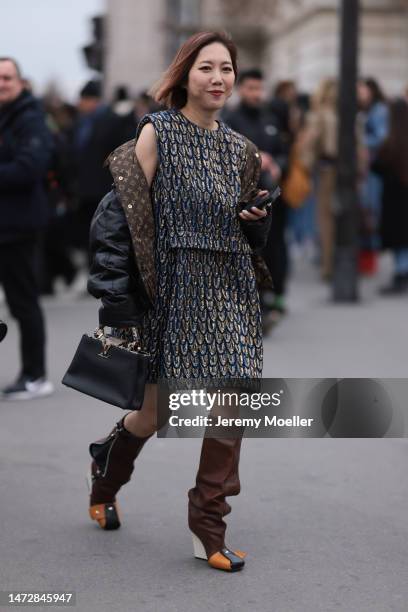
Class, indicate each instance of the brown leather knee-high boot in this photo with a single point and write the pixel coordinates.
(217, 477)
(111, 468)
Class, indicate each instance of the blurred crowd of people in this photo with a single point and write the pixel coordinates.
(295, 133)
(84, 135)
(297, 136)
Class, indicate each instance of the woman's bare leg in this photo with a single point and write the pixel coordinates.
(143, 422)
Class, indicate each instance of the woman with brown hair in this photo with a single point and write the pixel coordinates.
(319, 149)
(172, 255)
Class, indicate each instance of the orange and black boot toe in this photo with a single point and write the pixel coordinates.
(111, 468)
(217, 477)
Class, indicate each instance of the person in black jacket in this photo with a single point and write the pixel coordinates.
(252, 120)
(25, 153)
(96, 133)
(392, 165)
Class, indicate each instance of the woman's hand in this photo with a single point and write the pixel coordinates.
(255, 213)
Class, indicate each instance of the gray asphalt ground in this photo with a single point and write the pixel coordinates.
(324, 521)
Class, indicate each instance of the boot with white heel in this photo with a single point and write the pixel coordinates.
(217, 477)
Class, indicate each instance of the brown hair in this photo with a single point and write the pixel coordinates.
(325, 94)
(170, 89)
(282, 87)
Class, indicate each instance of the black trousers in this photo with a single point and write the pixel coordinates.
(18, 275)
(56, 258)
(275, 252)
(83, 220)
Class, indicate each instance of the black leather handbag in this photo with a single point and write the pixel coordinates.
(114, 374)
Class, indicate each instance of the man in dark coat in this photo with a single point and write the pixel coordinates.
(96, 134)
(254, 121)
(25, 154)
(251, 119)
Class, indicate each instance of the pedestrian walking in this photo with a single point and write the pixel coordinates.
(392, 166)
(284, 105)
(57, 259)
(252, 119)
(97, 132)
(172, 256)
(320, 152)
(25, 154)
(375, 119)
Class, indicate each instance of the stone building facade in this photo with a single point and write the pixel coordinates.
(296, 39)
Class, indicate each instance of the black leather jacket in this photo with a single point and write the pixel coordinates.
(114, 276)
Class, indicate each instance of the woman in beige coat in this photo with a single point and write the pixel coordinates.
(319, 151)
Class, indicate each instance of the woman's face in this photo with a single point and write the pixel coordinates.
(211, 77)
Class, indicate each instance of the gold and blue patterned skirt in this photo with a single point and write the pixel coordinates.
(205, 327)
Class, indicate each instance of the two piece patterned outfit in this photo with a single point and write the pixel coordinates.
(205, 326)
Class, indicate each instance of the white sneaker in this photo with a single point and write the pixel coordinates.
(26, 389)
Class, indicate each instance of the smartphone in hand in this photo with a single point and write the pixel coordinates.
(264, 202)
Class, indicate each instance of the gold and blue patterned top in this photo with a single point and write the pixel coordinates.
(198, 183)
(205, 324)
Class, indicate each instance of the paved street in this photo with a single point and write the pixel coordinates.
(324, 521)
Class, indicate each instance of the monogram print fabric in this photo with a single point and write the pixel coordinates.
(250, 173)
(133, 190)
(205, 324)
